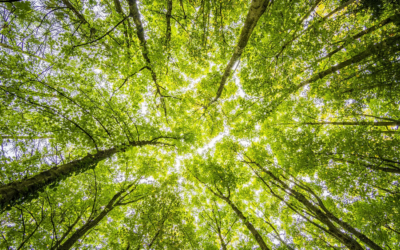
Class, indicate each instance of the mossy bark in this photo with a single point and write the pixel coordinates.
(24, 190)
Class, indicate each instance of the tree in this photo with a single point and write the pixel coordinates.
(198, 124)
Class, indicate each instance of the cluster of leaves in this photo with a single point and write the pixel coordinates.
(198, 124)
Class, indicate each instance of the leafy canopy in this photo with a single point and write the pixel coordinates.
(198, 124)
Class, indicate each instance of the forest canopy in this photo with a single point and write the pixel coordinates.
(200, 124)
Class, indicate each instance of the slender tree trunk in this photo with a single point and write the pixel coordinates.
(90, 224)
(322, 217)
(327, 217)
(385, 85)
(134, 13)
(278, 236)
(247, 223)
(394, 169)
(315, 4)
(294, 38)
(168, 16)
(241, 216)
(118, 7)
(332, 229)
(343, 224)
(161, 227)
(20, 191)
(115, 201)
(396, 123)
(223, 245)
(183, 9)
(69, 229)
(221, 238)
(257, 8)
(352, 230)
(362, 33)
(371, 50)
(76, 12)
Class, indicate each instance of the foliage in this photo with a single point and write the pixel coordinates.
(199, 124)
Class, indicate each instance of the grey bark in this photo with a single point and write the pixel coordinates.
(257, 8)
(76, 12)
(371, 50)
(23, 190)
(326, 217)
(168, 16)
(393, 169)
(90, 224)
(362, 33)
(356, 123)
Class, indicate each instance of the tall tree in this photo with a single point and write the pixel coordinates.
(244, 124)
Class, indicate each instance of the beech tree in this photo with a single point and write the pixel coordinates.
(198, 124)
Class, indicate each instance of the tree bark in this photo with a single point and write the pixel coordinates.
(257, 8)
(115, 201)
(394, 169)
(134, 13)
(318, 213)
(350, 229)
(326, 217)
(20, 191)
(344, 5)
(247, 223)
(371, 50)
(118, 7)
(343, 224)
(76, 12)
(362, 33)
(90, 224)
(241, 216)
(69, 229)
(168, 16)
(223, 244)
(395, 123)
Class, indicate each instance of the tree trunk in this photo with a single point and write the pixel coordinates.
(371, 50)
(23, 190)
(352, 230)
(247, 223)
(344, 5)
(343, 224)
(327, 217)
(118, 7)
(134, 13)
(319, 215)
(396, 123)
(389, 170)
(257, 8)
(73, 9)
(223, 244)
(362, 33)
(89, 225)
(168, 16)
